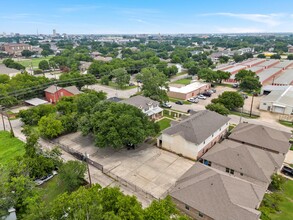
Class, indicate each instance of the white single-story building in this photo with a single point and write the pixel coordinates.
(188, 91)
(278, 101)
(195, 135)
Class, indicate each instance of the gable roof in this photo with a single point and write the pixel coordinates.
(198, 127)
(140, 102)
(217, 194)
(251, 161)
(53, 89)
(73, 90)
(261, 136)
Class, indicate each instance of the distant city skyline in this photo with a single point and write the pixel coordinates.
(145, 17)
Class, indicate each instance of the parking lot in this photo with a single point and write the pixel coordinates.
(147, 167)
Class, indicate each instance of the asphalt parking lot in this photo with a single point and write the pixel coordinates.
(149, 168)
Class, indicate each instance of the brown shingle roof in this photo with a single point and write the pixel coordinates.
(218, 195)
(73, 90)
(199, 126)
(261, 136)
(253, 162)
(53, 89)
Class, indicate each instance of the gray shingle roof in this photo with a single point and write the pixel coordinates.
(261, 136)
(199, 126)
(218, 195)
(253, 162)
(141, 102)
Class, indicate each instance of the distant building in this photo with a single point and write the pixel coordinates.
(54, 32)
(278, 101)
(16, 49)
(188, 91)
(54, 93)
(195, 135)
(290, 49)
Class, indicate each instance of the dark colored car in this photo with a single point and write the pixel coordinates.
(287, 171)
(179, 103)
(207, 94)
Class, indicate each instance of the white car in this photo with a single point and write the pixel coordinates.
(202, 97)
(193, 100)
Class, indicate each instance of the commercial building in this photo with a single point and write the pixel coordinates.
(195, 135)
(285, 79)
(278, 101)
(188, 91)
(16, 49)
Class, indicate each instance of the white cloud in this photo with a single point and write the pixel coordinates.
(268, 19)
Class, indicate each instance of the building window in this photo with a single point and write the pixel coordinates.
(231, 171)
(241, 174)
(200, 214)
(187, 207)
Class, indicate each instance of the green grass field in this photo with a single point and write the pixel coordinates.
(183, 81)
(164, 123)
(286, 205)
(51, 189)
(33, 61)
(10, 147)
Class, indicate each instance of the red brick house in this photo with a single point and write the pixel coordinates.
(54, 93)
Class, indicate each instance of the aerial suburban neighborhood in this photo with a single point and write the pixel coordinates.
(125, 115)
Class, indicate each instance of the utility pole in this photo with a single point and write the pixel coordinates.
(251, 105)
(241, 115)
(88, 169)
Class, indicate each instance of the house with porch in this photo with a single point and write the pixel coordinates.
(148, 106)
(53, 93)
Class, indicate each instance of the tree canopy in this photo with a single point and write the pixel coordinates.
(117, 125)
(154, 84)
(218, 107)
(231, 100)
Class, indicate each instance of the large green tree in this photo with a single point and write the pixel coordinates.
(121, 77)
(231, 100)
(71, 174)
(44, 65)
(154, 84)
(219, 108)
(50, 126)
(250, 83)
(117, 125)
(244, 73)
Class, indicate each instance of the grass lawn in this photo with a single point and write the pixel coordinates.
(184, 101)
(164, 123)
(286, 123)
(115, 86)
(224, 84)
(286, 205)
(33, 61)
(185, 81)
(9, 147)
(51, 189)
(244, 115)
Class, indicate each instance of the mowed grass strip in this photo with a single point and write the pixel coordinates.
(286, 205)
(10, 147)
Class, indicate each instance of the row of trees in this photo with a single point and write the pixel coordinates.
(12, 64)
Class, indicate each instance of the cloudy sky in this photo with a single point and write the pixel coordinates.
(146, 16)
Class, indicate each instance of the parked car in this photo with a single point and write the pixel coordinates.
(202, 97)
(166, 105)
(287, 171)
(212, 90)
(131, 84)
(235, 85)
(193, 100)
(179, 103)
(207, 94)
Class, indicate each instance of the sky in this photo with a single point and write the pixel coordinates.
(145, 16)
